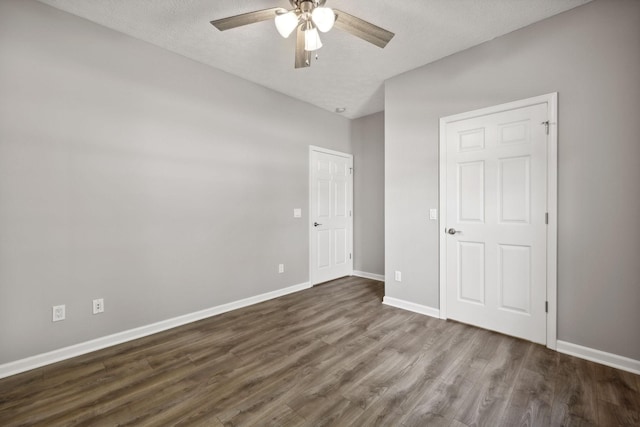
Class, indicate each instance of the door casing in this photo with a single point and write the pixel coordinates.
(551, 100)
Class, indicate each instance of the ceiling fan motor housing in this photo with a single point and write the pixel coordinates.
(306, 6)
(311, 4)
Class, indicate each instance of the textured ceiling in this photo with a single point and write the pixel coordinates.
(349, 72)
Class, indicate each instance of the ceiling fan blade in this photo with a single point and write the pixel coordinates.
(246, 18)
(363, 29)
(303, 57)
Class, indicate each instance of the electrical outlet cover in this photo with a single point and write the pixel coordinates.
(98, 305)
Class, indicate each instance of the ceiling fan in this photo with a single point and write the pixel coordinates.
(309, 16)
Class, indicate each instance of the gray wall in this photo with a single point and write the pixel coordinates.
(367, 138)
(130, 173)
(591, 56)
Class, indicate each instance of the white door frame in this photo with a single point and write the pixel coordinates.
(312, 148)
(551, 100)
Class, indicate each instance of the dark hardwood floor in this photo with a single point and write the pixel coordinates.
(329, 356)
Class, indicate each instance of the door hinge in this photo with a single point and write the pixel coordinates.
(349, 213)
(546, 124)
(350, 171)
(349, 256)
(546, 306)
(546, 218)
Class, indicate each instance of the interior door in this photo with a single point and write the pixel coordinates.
(331, 215)
(495, 225)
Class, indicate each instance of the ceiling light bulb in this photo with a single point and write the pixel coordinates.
(286, 23)
(312, 40)
(324, 18)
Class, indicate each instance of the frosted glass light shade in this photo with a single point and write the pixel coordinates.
(286, 23)
(312, 40)
(324, 18)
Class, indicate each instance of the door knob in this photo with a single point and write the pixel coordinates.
(315, 224)
(453, 231)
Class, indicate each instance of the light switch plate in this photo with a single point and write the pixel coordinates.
(59, 312)
(297, 213)
(398, 276)
(433, 213)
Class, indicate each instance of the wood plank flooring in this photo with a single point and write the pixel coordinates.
(332, 355)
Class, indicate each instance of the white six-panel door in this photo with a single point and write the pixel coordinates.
(331, 215)
(495, 225)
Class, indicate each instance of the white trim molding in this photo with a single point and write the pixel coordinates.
(58, 355)
(598, 356)
(372, 276)
(411, 306)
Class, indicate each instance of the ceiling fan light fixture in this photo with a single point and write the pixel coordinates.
(312, 40)
(306, 18)
(324, 18)
(286, 23)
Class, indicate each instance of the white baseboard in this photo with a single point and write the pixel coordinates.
(23, 365)
(411, 306)
(598, 356)
(372, 276)
(58, 355)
